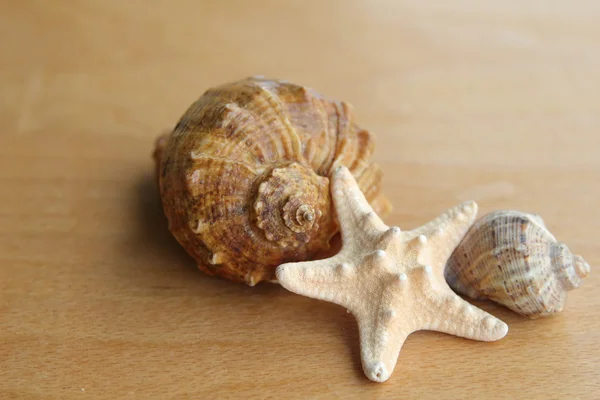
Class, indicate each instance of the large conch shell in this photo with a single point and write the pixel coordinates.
(511, 258)
(244, 176)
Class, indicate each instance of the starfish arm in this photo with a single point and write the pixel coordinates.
(445, 232)
(380, 343)
(453, 315)
(327, 280)
(352, 208)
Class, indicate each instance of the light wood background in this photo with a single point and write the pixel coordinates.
(495, 101)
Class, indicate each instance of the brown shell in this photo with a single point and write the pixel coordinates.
(244, 176)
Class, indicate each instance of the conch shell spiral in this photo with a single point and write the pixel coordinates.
(244, 176)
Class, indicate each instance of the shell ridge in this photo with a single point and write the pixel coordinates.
(366, 148)
(241, 137)
(198, 157)
(285, 121)
(329, 135)
(334, 160)
(479, 277)
(244, 137)
(345, 150)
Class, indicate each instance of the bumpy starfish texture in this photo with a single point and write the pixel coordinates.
(392, 281)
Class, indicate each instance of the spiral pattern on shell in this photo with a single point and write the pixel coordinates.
(244, 176)
(298, 202)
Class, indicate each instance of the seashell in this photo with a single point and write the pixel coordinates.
(244, 176)
(511, 258)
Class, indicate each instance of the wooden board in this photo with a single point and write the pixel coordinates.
(498, 102)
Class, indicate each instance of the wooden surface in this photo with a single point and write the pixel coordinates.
(498, 102)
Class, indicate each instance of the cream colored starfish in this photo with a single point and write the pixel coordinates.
(391, 281)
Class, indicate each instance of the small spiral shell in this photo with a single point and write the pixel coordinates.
(244, 176)
(511, 258)
(294, 193)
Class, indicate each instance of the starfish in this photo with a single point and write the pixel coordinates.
(392, 281)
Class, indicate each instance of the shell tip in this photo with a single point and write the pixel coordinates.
(582, 267)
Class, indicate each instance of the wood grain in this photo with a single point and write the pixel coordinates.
(498, 102)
